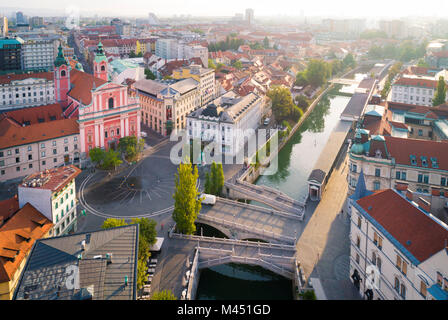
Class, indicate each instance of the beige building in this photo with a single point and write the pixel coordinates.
(165, 104)
(205, 77)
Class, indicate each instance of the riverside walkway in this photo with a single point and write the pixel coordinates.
(238, 189)
(344, 81)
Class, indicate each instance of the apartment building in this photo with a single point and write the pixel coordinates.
(397, 248)
(390, 162)
(205, 77)
(38, 53)
(417, 90)
(53, 193)
(226, 120)
(166, 104)
(26, 90)
(36, 139)
(10, 54)
(19, 230)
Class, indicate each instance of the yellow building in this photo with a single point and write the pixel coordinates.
(19, 229)
(205, 77)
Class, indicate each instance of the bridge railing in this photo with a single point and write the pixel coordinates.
(242, 227)
(261, 209)
(266, 200)
(246, 243)
(193, 281)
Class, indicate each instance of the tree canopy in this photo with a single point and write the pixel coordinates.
(440, 96)
(187, 202)
(163, 295)
(283, 106)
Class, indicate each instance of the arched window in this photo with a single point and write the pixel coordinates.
(63, 73)
(111, 103)
(374, 258)
(378, 263)
(397, 284)
(103, 68)
(358, 242)
(403, 291)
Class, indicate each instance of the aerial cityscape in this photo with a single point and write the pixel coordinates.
(247, 151)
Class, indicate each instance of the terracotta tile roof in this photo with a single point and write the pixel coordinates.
(440, 111)
(412, 228)
(399, 125)
(34, 115)
(82, 86)
(7, 78)
(402, 149)
(53, 179)
(12, 134)
(440, 54)
(27, 223)
(415, 82)
(8, 207)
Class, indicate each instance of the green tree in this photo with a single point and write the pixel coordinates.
(219, 179)
(282, 104)
(213, 179)
(187, 202)
(386, 89)
(302, 102)
(349, 61)
(422, 63)
(317, 72)
(163, 295)
(142, 267)
(266, 43)
(237, 64)
(207, 183)
(440, 96)
(308, 295)
(111, 160)
(113, 223)
(147, 229)
(301, 80)
(211, 64)
(149, 75)
(132, 54)
(131, 147)
(97, 156)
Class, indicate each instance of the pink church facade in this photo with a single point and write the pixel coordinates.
(104, 110)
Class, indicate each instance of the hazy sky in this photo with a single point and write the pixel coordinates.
(347, 8)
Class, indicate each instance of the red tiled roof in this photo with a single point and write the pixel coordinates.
(402, 149)
(12, 134)
(82, 86)
(28, 222)
(32, 115)
(399, 125)
(55, 179)
(440, 54)
(8, 207)
(406, 223)
(7, 78)
(415, 82)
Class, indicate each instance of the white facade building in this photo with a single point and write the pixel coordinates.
(53, 193)
(26, 90)
(226, 121)
(398, 250)
(416, 90)
(38, 53)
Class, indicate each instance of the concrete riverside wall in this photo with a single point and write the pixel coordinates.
(194, 277)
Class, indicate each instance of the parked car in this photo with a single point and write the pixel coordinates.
(143, 134)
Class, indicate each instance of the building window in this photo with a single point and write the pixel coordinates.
(377, 172)
(403, 291)
(376, 185)
(401, 265)
(397, 284)
(378, 263)
(42, 145)
(358, 242)
(54, 143)
(423, 288)
(111, 103)
(377, 240)
(357, 258)
(42, 154)
(359, 222)
(439, 279)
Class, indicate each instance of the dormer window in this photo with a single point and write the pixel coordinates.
(413, 160)
(103, 68)
(434, 163)
(378, 154)
(424, 161)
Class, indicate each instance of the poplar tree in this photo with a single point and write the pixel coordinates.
(187, 202)
(440, 96)
(219, 179)
(207, 183)
(213, 179)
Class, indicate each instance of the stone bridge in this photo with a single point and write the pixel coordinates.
(238, 189)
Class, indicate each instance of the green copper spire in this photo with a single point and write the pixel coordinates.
(60, 59)
(100, 56)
